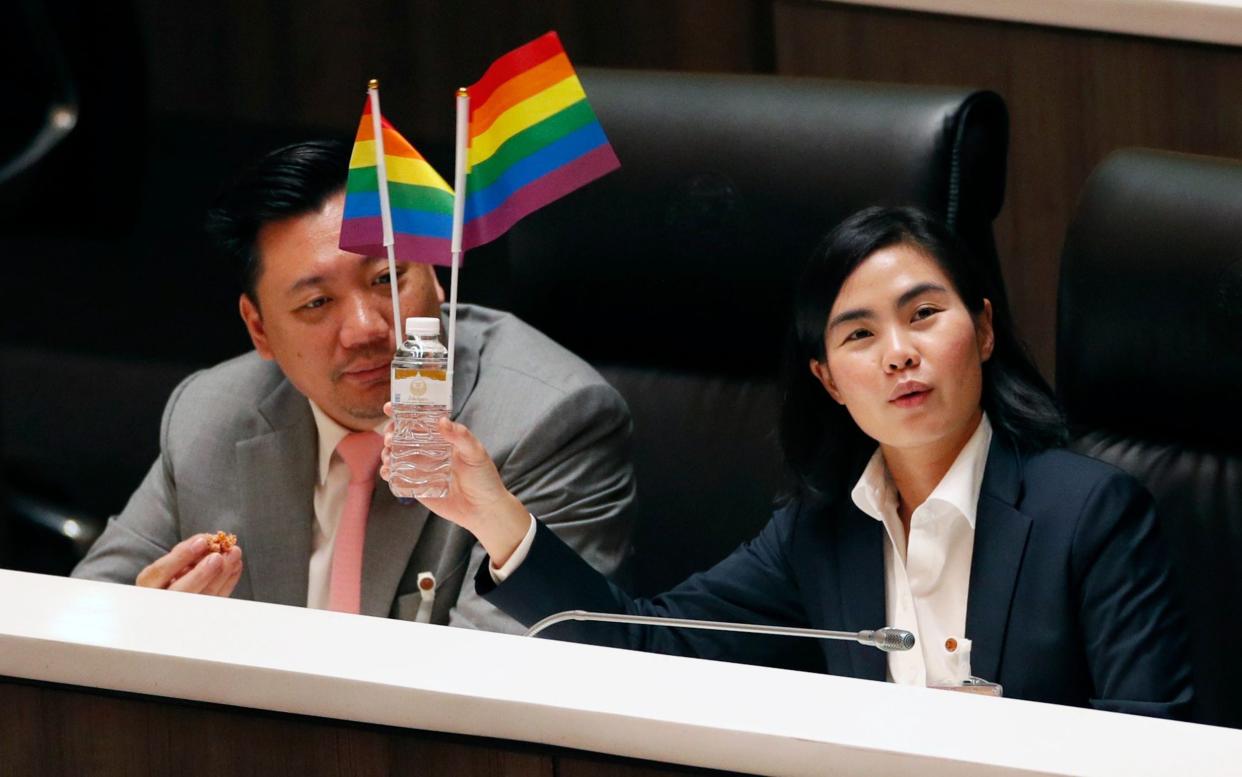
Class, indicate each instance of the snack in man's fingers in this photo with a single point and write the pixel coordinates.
(221, 542)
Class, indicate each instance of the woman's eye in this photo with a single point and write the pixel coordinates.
(925, 312)
(857, 334)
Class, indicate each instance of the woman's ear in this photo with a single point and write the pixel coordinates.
(984, 333)
(824, 376)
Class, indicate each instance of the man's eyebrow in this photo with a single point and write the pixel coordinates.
(302, 283)
(918, 291)
(315, 280)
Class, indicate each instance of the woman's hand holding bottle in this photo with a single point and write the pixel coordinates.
(477, 499)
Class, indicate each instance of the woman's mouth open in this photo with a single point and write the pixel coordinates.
(910, 394)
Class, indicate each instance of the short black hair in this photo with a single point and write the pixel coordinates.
(291, 181)
(824, 449)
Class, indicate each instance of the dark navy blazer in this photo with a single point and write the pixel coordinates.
(1070, 598)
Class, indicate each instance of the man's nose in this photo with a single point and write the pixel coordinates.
(900, 353)
(364, 323)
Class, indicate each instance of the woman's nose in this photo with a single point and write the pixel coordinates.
(900, 354)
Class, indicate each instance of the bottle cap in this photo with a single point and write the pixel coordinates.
(422, 326)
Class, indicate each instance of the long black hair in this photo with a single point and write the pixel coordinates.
(824, 449)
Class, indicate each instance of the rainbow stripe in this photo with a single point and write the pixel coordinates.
(420, 201)
(533, 139)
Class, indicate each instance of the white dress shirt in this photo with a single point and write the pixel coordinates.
(500, 574)
(331, 483)
(927, 576)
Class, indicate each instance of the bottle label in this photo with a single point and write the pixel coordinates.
(420, 387)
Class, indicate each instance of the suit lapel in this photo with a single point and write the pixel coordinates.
(860, 561)
(276, 473)
(465, 362)
(392, 532)
(1001, 533)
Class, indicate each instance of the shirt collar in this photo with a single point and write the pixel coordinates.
(960, 485)
(874, 492)
(330, 435)
(875, 495)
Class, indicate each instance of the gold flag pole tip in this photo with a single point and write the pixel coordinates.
(461, 91)
(373, 83)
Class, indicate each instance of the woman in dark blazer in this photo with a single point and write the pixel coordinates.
(932, 493)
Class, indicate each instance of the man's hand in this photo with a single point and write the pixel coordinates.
(190, 567)
(477, 498)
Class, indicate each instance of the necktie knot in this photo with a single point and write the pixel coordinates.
(361, 453)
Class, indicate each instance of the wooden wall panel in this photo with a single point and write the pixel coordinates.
(306, 62)
(594, 765)
(61, 730)
(1073, 97)
(57, 730)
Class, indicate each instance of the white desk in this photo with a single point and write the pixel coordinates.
(1207, 21)
(675, 710)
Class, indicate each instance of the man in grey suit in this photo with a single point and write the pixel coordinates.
(247, 446)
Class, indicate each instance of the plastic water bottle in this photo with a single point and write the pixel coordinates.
(418, 464)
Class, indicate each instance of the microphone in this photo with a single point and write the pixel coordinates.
(887, 639)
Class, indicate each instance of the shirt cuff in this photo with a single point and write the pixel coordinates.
(516, 559)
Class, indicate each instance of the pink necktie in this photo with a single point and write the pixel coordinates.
(361, 453)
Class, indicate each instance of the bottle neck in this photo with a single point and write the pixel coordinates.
(420, 343)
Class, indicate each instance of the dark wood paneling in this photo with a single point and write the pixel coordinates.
(57, 730)
(605, 766)
(1073, 97)
(306, 62)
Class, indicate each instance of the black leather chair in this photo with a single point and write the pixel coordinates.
(1149, 366)
(673, 274)
(97, 327)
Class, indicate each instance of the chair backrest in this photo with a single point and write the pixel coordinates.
(1149, 366)
(136, 308)
(674, 274)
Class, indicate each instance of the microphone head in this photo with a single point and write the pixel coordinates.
(890, 640)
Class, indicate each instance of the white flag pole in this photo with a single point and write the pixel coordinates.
(381, 173)
(459, 216)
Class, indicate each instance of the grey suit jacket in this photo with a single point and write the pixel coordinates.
(239, 449)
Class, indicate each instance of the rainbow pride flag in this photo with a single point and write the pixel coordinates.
(533, 139)
(421, 203)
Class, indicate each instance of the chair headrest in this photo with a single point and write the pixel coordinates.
(1149, 331)
(726, 184)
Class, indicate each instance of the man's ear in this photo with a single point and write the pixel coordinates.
(824, 376)
(984, 332)
(439, 289)
(254, 325)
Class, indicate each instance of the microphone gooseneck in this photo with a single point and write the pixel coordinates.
(887, 639)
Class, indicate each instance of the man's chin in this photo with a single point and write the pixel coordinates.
(365, 411)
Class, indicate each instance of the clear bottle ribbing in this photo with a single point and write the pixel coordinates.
(418, 464)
